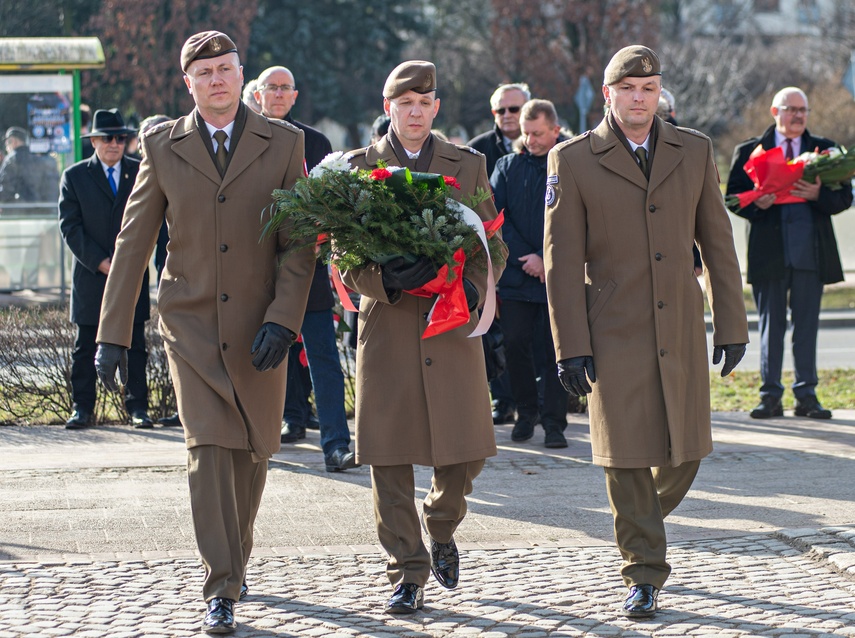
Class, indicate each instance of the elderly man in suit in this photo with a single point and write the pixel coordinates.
(436, 388)
(93, 196)
(792, 253)
(229, 306)
(624, 202)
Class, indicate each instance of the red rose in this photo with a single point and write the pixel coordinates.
(450, 181)
(380, 174)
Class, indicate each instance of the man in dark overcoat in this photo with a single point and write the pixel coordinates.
(624, 204)
(92, 200)
(277, 92)
(230, 307)
(419, 401)
(792, 254)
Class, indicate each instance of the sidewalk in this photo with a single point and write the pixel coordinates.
(96, 540)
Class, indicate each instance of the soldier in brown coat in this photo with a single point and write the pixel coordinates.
(624, 204)
(228, 309)
(419, 401)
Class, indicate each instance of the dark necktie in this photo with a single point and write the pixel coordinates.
(789, 152)
(641, 153)
(112, 180)
(222, 153)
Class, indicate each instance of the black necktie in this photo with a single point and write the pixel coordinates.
(222, 153)
(641, 153)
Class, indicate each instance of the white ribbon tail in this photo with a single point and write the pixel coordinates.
(488, 312)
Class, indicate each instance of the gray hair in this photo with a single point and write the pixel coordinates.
(504, 88)
(782, 95)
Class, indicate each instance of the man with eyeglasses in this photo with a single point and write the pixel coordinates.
(92, 200)
(277, 92)
(792, 253)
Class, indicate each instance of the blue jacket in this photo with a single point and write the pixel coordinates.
(519, 188)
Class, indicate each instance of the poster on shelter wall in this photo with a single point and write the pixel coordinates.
(49, 119)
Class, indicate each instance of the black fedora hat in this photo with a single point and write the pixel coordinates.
(110, 122)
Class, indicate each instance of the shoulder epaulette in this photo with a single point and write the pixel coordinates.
(283, 124)
(157, 128)
(357, 153)
(573, 140)
(692, 131)
(463, 147)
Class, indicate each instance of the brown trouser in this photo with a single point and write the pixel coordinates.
(397, 519)
(225, 492)
(640, 499)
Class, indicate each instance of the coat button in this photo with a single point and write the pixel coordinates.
(224, 297)
(225, 346)
(221, 198)
(662, 353)
(428, 361)
(223, 248)
(652, 208)
(661, 305)
(658, 256)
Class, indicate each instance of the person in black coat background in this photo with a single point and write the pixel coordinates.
(277, 92)
(792, 253)
(90, 217)
(519, 187)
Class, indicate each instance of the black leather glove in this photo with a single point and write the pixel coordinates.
(398, 275)
(108, 358)
(472, 296)
(572, 371)
(733, 354)
(271, 345)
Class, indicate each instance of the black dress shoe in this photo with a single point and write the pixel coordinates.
(445, 563)
(340, 460)
(141, 420)
(555, 438)
(811, 408)
(408, 598)
(173, 421)
(292, 433)
(244, 591)
(768, 407)
(641, 601)
(78, 420)
(313, 423)
(220, 617)
(502, 413)
(524, 428)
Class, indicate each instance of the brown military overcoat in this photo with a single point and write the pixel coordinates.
(421, 401)
(621, 287)
(221, 281)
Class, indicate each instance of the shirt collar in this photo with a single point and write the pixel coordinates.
(645, 144)
(228, 128)
(780, 140)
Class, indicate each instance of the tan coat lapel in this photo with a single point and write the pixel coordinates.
(613, 155)
(189, 146)
(667, 156)
(253, 142)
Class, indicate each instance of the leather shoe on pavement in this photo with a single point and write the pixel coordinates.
(811, 408)
(340, 460)
(524, 428)
(445, 563)
(141, 420)
(244, 591)
(220, 617)
(78, 420)
(769, 406)
(641, 601)
(292, 433)
(408, 598)
(502, 413)
(555, 438)
(173, 421)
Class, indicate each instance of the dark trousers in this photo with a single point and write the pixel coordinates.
(524, 324)
(640, 499)
(805, 294)
(397, 519)
(84, 378)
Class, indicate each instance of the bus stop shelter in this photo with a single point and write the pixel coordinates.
(39, 101)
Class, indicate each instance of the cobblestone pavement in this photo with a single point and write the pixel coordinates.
(96, 540)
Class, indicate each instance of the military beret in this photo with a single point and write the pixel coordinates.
(635, 61)
(413, 75)
(208, 44)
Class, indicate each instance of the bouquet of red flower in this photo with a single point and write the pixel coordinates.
(771, 173)
(359, 217)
